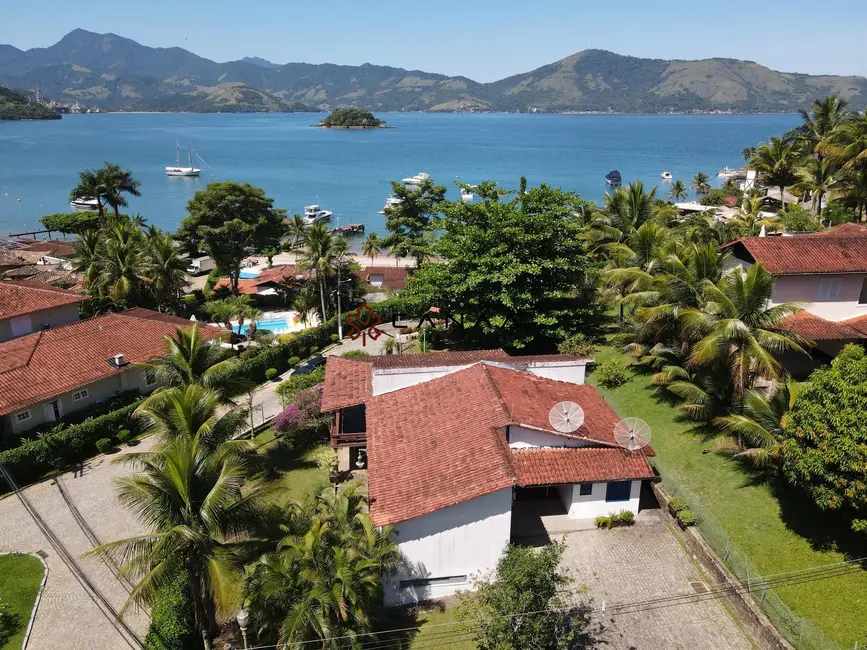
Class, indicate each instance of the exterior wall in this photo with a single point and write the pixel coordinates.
(53, 317)
(521, 438)
(565, 492)
(594, 504)
(386, 381)
(572, 373)
(805, 289)
(466, 539)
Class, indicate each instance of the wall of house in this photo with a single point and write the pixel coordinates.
(386, 381)
(805, 288)
(466, 539)
(594, 504)
(521, 438)
(98, 391)
(572, 373)
(54, 317)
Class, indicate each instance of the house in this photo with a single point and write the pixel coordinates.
(27, 307)
(268, 281)
(392, 278)
(460, 446)
(826, 272)
(48, 374)
(13, 258)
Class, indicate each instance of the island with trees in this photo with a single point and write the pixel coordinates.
(16, 106)
(351, 118)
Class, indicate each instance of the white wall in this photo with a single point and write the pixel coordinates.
(570, 372)
(386, 381)
(464, 539)
(806, 288)
(521, 438)
(594, 504)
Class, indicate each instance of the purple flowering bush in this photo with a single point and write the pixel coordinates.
(304, 412)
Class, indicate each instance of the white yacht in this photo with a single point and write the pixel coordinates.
(466, 196)
(183, 171)
(414, 181)
(390, 202)
(666, 176)
(83, 204)
(725, 173)
(315, 214)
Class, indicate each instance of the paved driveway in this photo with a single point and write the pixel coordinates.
(646, 561)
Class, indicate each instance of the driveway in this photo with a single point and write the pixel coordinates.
(640, 563)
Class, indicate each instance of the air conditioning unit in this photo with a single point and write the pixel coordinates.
(119, 360)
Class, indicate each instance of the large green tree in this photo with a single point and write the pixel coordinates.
(228, 221)
(516, 272)
(825, 452)
(411, 222)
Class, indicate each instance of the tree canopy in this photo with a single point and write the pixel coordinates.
(826, 448)
(515, 274)
(228, 221)
(410, 223)
(72, 222)
(347, 117)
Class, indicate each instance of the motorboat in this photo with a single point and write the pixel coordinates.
(666, 176)
(390, 202)
(84, 204)
(178, 170)
(315, 214)
(414, 181)
(466, 196)
(726, 173)
(613, 178)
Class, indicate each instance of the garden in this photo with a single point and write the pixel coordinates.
(20, 578)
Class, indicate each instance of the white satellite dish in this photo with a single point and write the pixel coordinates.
(632, 433)
(566, 417)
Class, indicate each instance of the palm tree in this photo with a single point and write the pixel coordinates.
(372, 246)
(305, 302)
(190, 359)
(191, 493)
(816, 179)
(87, 256)
(748, 153)
(116, 182)
(122, 263)
(243, 307)
(629, 207)
(819, 123)
(221, 311)
(677, 191)
(777, 161)
(89, 187)
(758, 433)
(297, 230)
(847, 145)
(164, 268)
(701, 183)
(850, 186)
(319, 256)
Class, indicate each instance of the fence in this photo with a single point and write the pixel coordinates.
(797, 631)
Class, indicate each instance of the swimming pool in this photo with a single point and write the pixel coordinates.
(248, 274)
(277, 325)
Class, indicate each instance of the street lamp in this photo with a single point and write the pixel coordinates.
(243, 617)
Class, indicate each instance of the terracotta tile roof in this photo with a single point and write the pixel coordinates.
(19, 297)
(348, 382)
(578, 465)
(45, 364)
(858, 323)
(17, 257)
(846, 230)
(803, 254)
(52, 248)
(274, 275)
(815, 328)
(393, 277)
(437, 359)
(543, 358)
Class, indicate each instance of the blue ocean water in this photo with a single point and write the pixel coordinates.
(348, 171)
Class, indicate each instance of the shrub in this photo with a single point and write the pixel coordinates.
(626, 517)
(172, 618)
(294, 361)
(603, 521)
(686, 518)
(314, 349)
(678, 504)
(334, 338)
(104, 445)
(355, 354)
(271, 374)
(9, 622)
(124, 435)
(326, 459)
(288, 389)
(611, 374)
(714, 198)
(577, 345)
(303, 412)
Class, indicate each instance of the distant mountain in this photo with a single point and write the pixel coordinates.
(18, 106)
(262, 63)
(116, 73)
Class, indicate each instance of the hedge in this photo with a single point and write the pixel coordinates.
(172, 617)
(35, 458)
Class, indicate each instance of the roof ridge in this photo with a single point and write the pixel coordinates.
(494, 387)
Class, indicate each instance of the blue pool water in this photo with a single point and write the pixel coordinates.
(276, 325)
(248, 275)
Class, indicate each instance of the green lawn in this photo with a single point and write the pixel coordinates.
(299, 474)
(438, 631)
(20, 577)
(776, 530)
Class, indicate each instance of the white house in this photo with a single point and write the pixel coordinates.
(454, 439)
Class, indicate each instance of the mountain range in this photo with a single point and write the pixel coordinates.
(115, 73)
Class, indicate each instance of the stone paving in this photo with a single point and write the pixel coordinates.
(642, 562)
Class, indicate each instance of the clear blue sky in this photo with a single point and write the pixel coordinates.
(482, 39)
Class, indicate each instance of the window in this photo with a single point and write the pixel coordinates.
(150, 380)
(830, 289)
(376, 279)
(21, 326)
(585, 489)
(618, 491)
(23, 416)
(862, 298)
(79, 395)
(432, 582)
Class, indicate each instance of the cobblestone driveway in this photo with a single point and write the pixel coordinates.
(646, 561)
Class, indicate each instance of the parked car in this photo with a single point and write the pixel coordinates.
(309, 365)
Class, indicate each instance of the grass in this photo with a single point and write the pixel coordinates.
(20, 576)
(776, 529)
(299, 473)
(437, 629)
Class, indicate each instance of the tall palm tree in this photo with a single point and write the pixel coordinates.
(372, 246)
(319, 256)
(87, 256)
(701, 183)
(677, 191)
(629, 207)
(819, 123)
(748, 152)
(296, 229)
(115, 182)
(90, 187)
(816, 178)
(777, 161)
(221, 311)
(847, 145)
(850, 186)
(164, 268)
(191, 493)
(305, 302)
(122, 263)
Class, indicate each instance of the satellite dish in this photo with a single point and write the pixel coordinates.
(632, 433)
(566, 417)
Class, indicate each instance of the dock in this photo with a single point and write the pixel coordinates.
(348, 230)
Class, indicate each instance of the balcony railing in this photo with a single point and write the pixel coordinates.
(345, 429)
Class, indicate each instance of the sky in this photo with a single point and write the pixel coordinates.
(485, 40)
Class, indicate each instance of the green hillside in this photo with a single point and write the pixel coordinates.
(14, 106)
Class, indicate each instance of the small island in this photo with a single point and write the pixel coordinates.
(351, 118)
(16, 106)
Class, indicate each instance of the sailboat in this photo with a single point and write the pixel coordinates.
(183, 171)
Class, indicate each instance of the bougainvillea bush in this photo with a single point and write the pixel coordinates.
(303, 413)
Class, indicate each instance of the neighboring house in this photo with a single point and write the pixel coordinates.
(268, 282)
(27, 307)
(457, 443)
(48, 374)
(392, 278)
(13, 258)
(52, 249)
(826, 272)
(54, 274)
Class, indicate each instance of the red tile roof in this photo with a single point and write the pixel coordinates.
(52, 248)
(393, 277)
(437, 359)
(806, 254)
(578, 465)
(45, 364)
(858, 323)
(846, 230)
(815, 328)
(443, 442)
(17, 257)
(274, 275)
(19, 297)
(348, 382)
